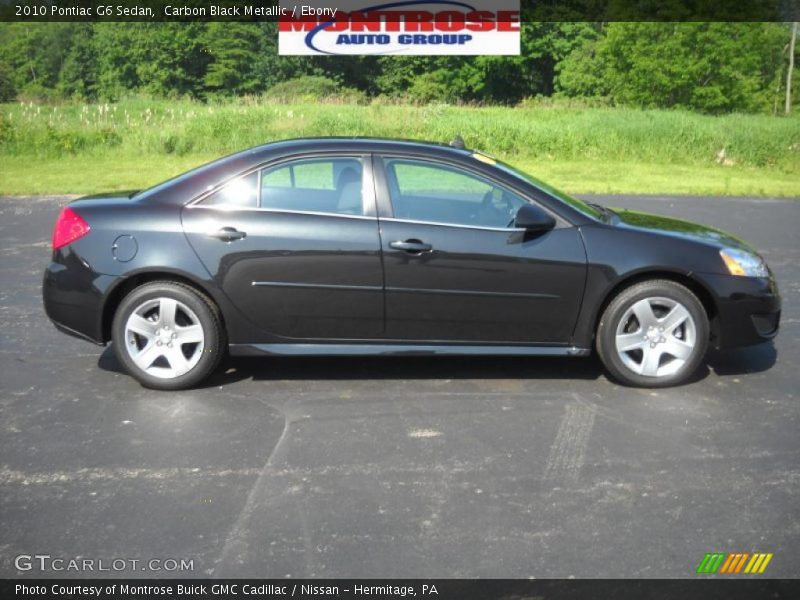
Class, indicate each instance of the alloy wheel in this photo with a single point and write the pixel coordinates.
(164, 338)
(655, 337)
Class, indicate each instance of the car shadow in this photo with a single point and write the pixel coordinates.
(334, 368)
(752, 359)
(418, 367)
(278, 368)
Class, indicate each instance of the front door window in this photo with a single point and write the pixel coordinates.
(434, 193)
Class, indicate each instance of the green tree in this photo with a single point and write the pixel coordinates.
(271, 69)
(116, 70)
(712, 67)
(430, 78)
(77, 77)
(34, 53)
(544, 46)
(170, 58)
(504, 79)
(232, 50)
(581, 73)
(162, 59)
(7, 90)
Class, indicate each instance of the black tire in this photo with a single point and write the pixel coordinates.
(214, 345)
(620, 307)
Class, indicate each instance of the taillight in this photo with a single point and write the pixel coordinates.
(70, 226)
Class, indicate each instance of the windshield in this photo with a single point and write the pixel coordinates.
(575, 203)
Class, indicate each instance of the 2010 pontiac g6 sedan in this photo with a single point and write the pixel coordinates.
(351, 246)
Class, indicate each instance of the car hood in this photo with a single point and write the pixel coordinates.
(632, 219)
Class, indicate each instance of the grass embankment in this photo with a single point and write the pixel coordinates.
(134, 144)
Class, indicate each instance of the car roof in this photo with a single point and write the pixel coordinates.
(366, 143)
(193, 182)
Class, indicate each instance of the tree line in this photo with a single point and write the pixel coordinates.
(709, 67)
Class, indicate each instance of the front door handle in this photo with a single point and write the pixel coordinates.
(229, 234)
(411, 246)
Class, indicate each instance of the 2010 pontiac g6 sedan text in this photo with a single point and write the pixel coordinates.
(356, 246)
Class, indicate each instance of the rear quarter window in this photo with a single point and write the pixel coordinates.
(242, 192)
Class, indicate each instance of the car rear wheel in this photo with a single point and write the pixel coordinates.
(653, 334)
(167, 335)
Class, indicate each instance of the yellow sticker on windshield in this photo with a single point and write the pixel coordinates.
(484, 159)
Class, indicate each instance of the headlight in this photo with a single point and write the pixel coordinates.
(744, 263)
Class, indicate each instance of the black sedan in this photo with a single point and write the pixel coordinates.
(350, 246)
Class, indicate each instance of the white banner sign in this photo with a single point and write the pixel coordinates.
(401, 28)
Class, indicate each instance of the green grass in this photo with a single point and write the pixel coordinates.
(85, 149)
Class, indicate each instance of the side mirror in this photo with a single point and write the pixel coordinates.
(532, 218)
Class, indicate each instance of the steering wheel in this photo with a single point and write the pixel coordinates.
(488, 206)
(509, 207)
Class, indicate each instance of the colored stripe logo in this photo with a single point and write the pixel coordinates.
(734, 562)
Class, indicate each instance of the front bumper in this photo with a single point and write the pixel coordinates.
(748, 309)
(74, 295)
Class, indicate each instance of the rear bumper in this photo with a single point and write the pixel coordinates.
(74, 295)
(748, 309)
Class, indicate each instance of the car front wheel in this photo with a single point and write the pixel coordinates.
(167, 335)
(653, 334)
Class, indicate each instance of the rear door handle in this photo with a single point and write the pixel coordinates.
(229, 234)
(412, 246)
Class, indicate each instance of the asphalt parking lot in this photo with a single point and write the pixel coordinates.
(399, 467)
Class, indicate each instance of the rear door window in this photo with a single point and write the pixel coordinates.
(327, 185)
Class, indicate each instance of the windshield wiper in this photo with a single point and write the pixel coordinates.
(605, 212)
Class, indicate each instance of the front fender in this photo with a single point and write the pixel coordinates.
(611, 262)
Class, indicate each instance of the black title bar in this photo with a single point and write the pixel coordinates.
(373, 589)
(261, 10)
